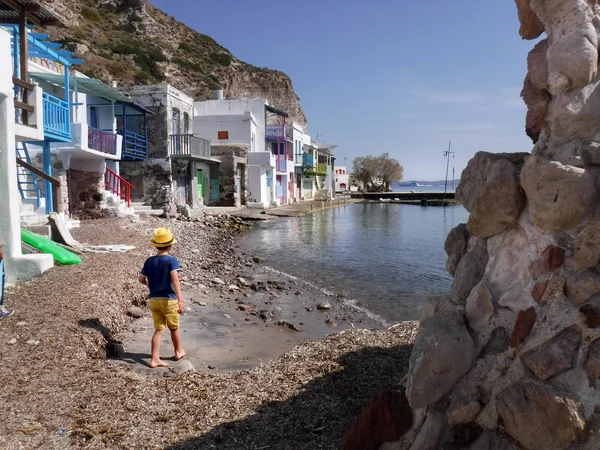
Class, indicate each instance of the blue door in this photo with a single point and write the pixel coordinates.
(93, 117)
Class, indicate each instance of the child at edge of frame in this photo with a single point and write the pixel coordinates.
(4, 312)
(161, 274)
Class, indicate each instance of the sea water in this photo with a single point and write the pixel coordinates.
(388, 257)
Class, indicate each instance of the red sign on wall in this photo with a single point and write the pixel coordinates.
(223, 134)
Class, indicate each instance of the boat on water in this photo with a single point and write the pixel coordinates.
(408, 183)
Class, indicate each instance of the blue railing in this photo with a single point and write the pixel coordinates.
(308, 160)
(135, 146)
(57, 120)
(102, 141)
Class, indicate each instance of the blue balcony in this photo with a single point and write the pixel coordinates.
(308, 160)
(57, 118)
(275, 132)
(135, 146)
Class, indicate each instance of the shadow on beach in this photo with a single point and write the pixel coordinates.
(320, 415)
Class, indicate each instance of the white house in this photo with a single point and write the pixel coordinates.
(300, 141)
(264, 131)
(342, 179)
(21, 120)
(317, 168)
(177, 168)
(232, 137)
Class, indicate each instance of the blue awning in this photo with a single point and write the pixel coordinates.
(89, 86)
(39, 47)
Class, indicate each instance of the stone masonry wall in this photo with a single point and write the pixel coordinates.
(233, 159)
(511, 359)
(86, 192)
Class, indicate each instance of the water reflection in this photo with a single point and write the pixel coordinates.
(388, 256)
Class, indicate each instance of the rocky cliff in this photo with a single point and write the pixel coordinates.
(511, 360)
(132, 42)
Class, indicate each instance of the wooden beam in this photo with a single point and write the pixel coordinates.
(23, 50)
(36, 8)
(29, 10)
(53, 181)
(38, 172)
(24, 106)
(23, 83)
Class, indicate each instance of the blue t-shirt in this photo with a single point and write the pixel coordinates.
(157, 270)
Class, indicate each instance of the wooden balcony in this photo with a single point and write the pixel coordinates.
(188, 146)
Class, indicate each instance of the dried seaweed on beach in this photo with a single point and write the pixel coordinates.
(61, 393)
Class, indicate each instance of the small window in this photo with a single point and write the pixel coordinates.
(223, 134)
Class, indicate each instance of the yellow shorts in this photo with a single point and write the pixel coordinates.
(164, 311)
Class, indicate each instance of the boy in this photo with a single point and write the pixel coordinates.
(160, 274)
(3, 311)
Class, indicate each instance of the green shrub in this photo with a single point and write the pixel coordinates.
(156, 54)
(125, 48)
(188, 48)
(213, 82)
(145, 55)
(142, 77)
(223, 59)
(91, 14)
(149, 66)
(189, 65)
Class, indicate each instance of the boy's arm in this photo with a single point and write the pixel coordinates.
(142, 278)
(177, 289)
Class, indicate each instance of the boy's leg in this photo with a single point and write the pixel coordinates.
(156, 361)
(158, 316)
(176, 338)
(173, 325)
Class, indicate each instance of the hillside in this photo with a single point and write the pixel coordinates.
(132, 42)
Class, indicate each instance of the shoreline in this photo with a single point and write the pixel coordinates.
(53, 353)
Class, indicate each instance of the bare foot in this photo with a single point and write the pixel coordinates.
(159, 363)
(179, 354)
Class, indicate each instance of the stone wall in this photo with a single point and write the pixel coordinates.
(512, 358)
(152, 180)
(234, 163)
(86, 193)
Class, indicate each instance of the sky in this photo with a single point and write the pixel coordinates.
(394, 76)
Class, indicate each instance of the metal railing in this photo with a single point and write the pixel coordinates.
(117, 185)
(51, 197)
(188, 145)
(57, 120)
(319, 170)
(308, 160)
(135, 146)
(22, 91)
(275, 131)
(102, 141)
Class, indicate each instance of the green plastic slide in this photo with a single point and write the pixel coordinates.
(45, 245)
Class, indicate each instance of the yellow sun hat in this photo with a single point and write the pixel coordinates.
(163, 238)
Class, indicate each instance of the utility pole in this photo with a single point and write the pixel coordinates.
(447, 154)
(453, 187)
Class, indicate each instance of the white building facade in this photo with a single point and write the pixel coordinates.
(342, 179)
(263, 129)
